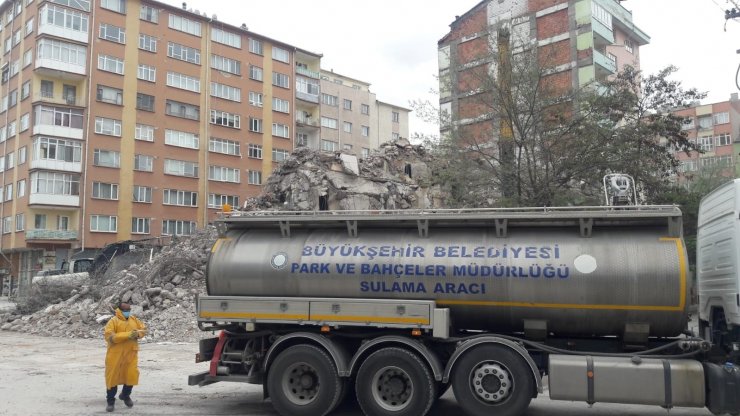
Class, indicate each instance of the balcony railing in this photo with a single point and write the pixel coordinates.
(51, 234)
(307, 97)
(307, 72)
(308, 121)
(59, 99)
(605, 61)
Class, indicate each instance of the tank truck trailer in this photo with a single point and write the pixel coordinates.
(397, 306)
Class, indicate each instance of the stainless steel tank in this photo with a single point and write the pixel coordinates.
(621, 271)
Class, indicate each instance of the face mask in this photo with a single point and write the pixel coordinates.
(126, 314)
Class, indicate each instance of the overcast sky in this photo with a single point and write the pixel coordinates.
(392, 44)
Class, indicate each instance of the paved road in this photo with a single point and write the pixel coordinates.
(58, 376)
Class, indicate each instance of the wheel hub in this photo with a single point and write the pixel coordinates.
(300, 383)
(392, 388)
(491, 382)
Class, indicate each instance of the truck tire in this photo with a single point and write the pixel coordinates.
(303, 381)
(394, 381)
(492, 380)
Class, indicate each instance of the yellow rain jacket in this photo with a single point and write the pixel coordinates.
(121, 360)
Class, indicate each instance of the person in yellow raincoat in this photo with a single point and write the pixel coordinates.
(122, 335)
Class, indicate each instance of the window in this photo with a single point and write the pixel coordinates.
(16, 37)
(218, 201)
(347, 104)
(11, 129)
(113, 33)
(307, 87)
(105, 190)
(183, 81)
(62, 222)
(22, 155)
(177, 227)
(47, 148)
(281, 55)
(118, 6)
(183, 53)
(255, 73)
(146, 73)
(39, 221)
(394, 136)
(142, 194)
(599, 13)
(55, 183)
(180, 168)
(302, 139)
(110, 95)
(13, 98)
(181, 139)
(395, 116)
(110, 64)
(108, 126)
(227, 65)
(278, 155)
(104, 223)
(28, 58)
(688, 124)
(705, 143)
(330, 123)
(7, 44)
(181, 198)
(365, 131)
(226, 92)
(347, 147)
(347, 127)
(365, 152)
(25, 90)
(331, 100)
(227, 38)
(20, 222)
(25, 121)
(280, 105)
(184, 24)
(223, 174)
(280, 130)
(723, 139)
(106, 158)
(721, 118)
(255, 177)
(10, 160)
(144, 163)
(29, 27)
(56, 50)
(77, 4)
(255, 99)
(140, 225)
(255, 125)
(9, 192)
(7, 224)
(628, 46)
(149, 13)
(144, 102)
(255, 151)
(178, 109)
(280, 80)
(63, 17)
(147, 43)
(255, 46)
(705, 122)
(328, 145)
(21, 188)
(144, 132)
(224, 146)
(222, 118)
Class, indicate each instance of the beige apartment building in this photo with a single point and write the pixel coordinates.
(130, 119)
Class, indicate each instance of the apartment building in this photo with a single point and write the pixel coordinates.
(715, 129)
(353, 120)
(128, 119)
(582, 41)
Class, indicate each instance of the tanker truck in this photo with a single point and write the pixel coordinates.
(392, 308)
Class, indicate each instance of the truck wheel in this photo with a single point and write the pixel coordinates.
(303, 380)
(393, 381)
(492, 380)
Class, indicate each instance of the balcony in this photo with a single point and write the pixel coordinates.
(54, 199)
(307, 72)
(606, 63)
(56, 165)
(62, 32)
(311, 98)
(48, 97)
(602, 34)
(51, 235)
(59, 69)
(306, 121)
(58, 131)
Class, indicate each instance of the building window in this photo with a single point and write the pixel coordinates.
(301, 139)
(25, 121)
(147, 73)
(28, 58)
(599, 13)
(110, 64)
(226, 92)
(347, 127)
(365, 131)
(181, 139)
(8, 192)
(104, 223)
(347, 104)
(280, 105)
(149, 13)
(144, 132)
(183, 53)
(705, 122)
(395, 116)
(7, 224)
(21, 188)
(144, 163)
(255, 46)
(142, 194)
(118, 6)
(723, 139)
(108, 126)
(180, 168)
(223, 174)
(347, 147)
(178, 109)
(255, 99)
(365, 152)
(53, 183)
(184, 24)
(280, 130)
(721, 118)
(308, 87)
(255, 73)
(222, 118)
(255, 177)
(62, 17)
(705, 143)
(10, 160)
(147, 43)
(180, 198)
(20, 222)
(177, 227)
(183, 81)
(39, 221)
(102, 190)
(46, 148)
(628, 46)
(330, 123)
(331, 100)
(140, 225)
(255, 125)
(224, 146)
(29, 27)
(255, 151)
(218, 201)
(231, 66)
(64, 52)
(113, 33)
(107, 158)
(278, 155)
(394, 136)
(328, 145)
(22, 155)
(144, 102)
(226, 38)
(281, 55)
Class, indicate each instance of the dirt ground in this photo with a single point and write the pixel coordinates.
(63, 376)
